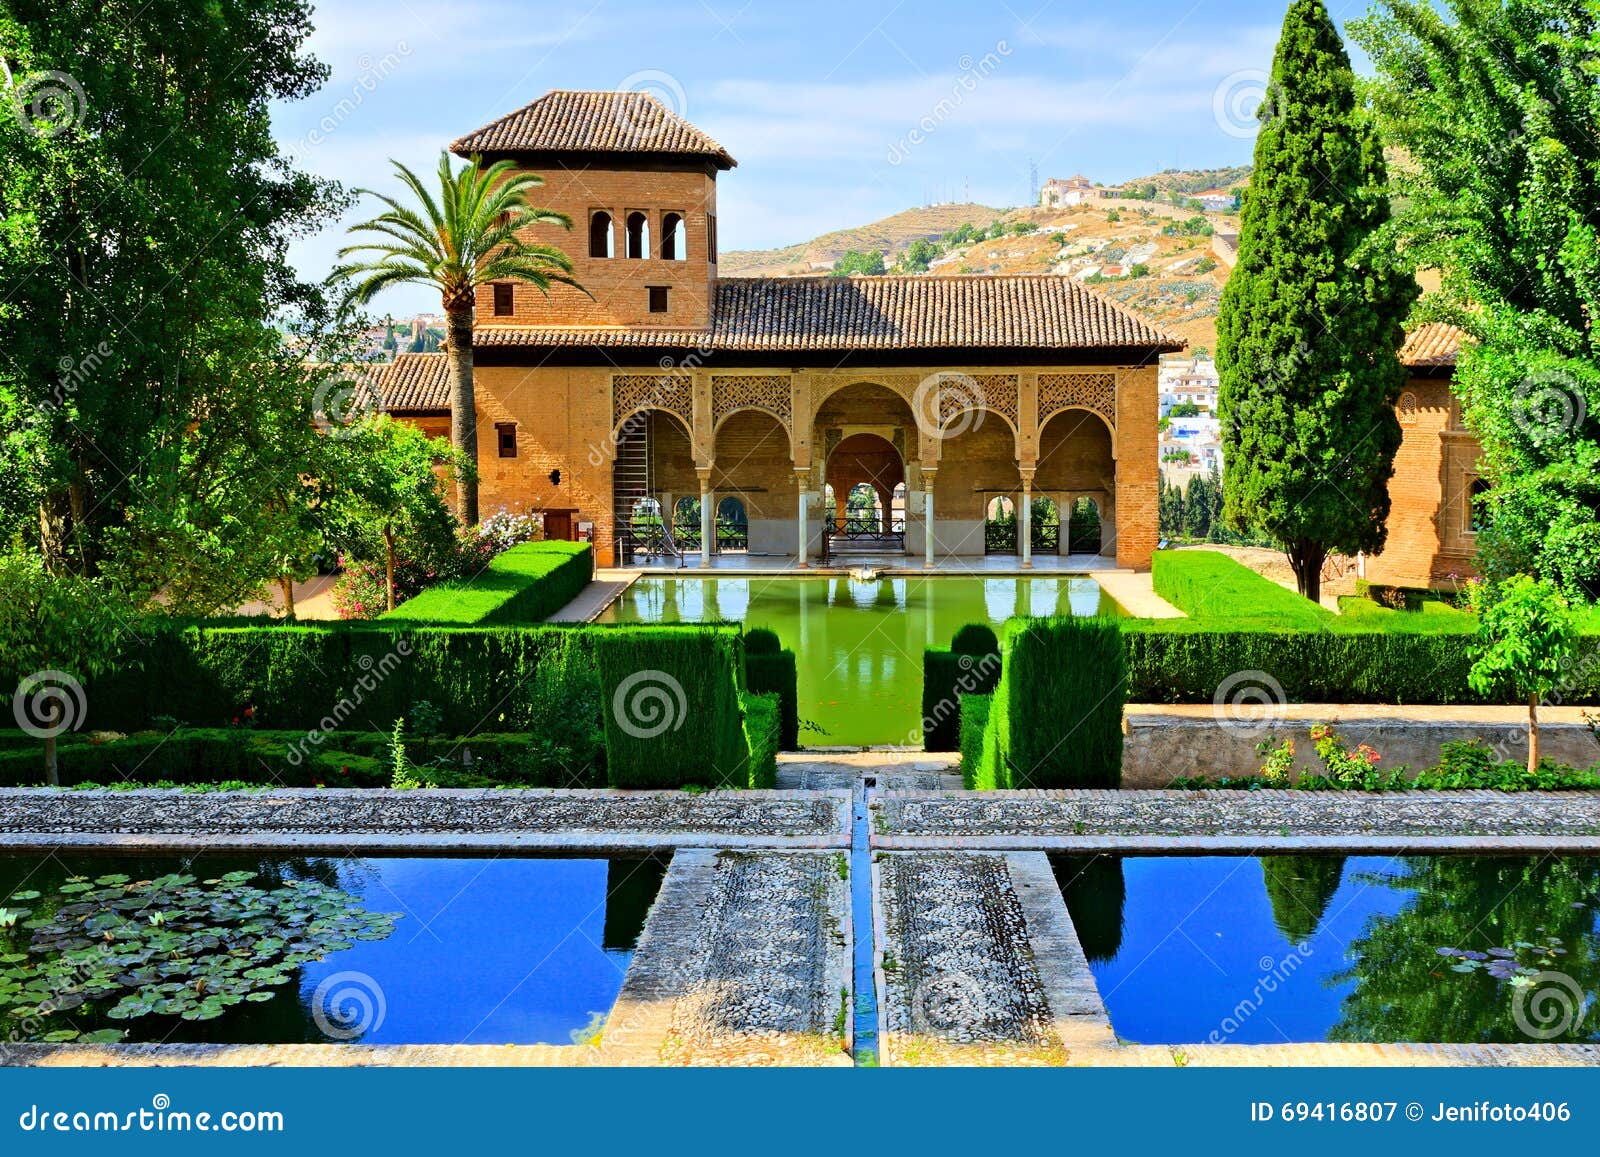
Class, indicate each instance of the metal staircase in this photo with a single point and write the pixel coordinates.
(631, 482)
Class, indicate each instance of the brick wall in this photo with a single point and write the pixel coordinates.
(1138, 468)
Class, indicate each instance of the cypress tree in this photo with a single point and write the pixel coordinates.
(1310, 321)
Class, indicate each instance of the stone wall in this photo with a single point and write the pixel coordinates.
(1167, 743)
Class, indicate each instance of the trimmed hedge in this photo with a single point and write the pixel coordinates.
(1056, 719)
(761, 641)
(671, 706)
(949, 676)
(290, 759)
(525, 584)
(975, 773)
(345, 677)
(1323, 667)
(761, 736)
(775, 673)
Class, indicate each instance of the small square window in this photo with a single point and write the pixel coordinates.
(506, 436)
(658, 298)
(502, 299)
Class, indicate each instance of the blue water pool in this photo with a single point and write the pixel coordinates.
(1275, 949)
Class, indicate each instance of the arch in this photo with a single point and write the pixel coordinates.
(1075, 453)
(601, 239)
(647, 408)
(1111, 427)
(1044, 525)
(781, 420)
(674, 238)
(637, 228)
(824, 393)
(956, 421)
(999, 507)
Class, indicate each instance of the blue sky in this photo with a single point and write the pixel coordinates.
(838, 111)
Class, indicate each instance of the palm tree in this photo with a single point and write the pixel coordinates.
(466, 237)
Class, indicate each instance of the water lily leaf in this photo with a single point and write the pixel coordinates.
(102, 1036)
(60, 1035)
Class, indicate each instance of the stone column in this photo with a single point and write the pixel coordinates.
(928, 475)
(801, 478)
(1025, 521)
(708, 522)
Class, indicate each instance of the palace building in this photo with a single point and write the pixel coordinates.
(788, 418)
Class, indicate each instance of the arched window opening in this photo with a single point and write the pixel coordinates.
(673, 246)
(1044, 525)
(638, 235)
(686, 523)
(1477, 515)
(863, 509)
(1000, 525)
(733, 525)
(1083, 527)
(600, 234)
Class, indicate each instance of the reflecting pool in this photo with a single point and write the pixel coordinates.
(1253, 950)
(858, 645)
(409, 950)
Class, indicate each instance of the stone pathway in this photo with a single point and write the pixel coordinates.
(978, 964)
(1242, 821)
(602, 591)
(535, 819)
(814, 770)
(744, 960)
(1135, 592)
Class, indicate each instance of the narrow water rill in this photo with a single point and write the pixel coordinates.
(865, 981)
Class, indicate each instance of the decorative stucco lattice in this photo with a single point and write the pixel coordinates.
(767, 392)
(1097, 392)
(1408, 409)
(961, 392)
(631, 393)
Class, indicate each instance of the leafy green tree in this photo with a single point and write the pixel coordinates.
(389, 501)
(57, 631)
(1310, 321)
(467, 233)
(1299, 888)
(918, 256)
(1526, 636)
(1494, 103)
(144, 229)
(869, 262)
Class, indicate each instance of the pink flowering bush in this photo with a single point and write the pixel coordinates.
(1345, 769)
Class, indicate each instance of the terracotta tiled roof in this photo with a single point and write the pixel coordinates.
(880, 313)
(593, 122)
(416, 382)
(1433, 343)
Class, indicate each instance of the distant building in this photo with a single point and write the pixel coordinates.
(1217, 201)
(1187, 379)
(1059, 194)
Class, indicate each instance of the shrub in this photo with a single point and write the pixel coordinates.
(975, 773)
(949, 677)
(975, 639)
(650, 677)
(1057, 712)
(761, 641)
(524, 584)
(761, 734)
(774, 672)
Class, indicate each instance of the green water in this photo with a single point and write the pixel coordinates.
(858, 645)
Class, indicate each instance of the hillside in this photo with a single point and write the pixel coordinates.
(1105, 243)
(890, 235)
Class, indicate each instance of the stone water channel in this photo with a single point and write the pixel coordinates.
(867, 912)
